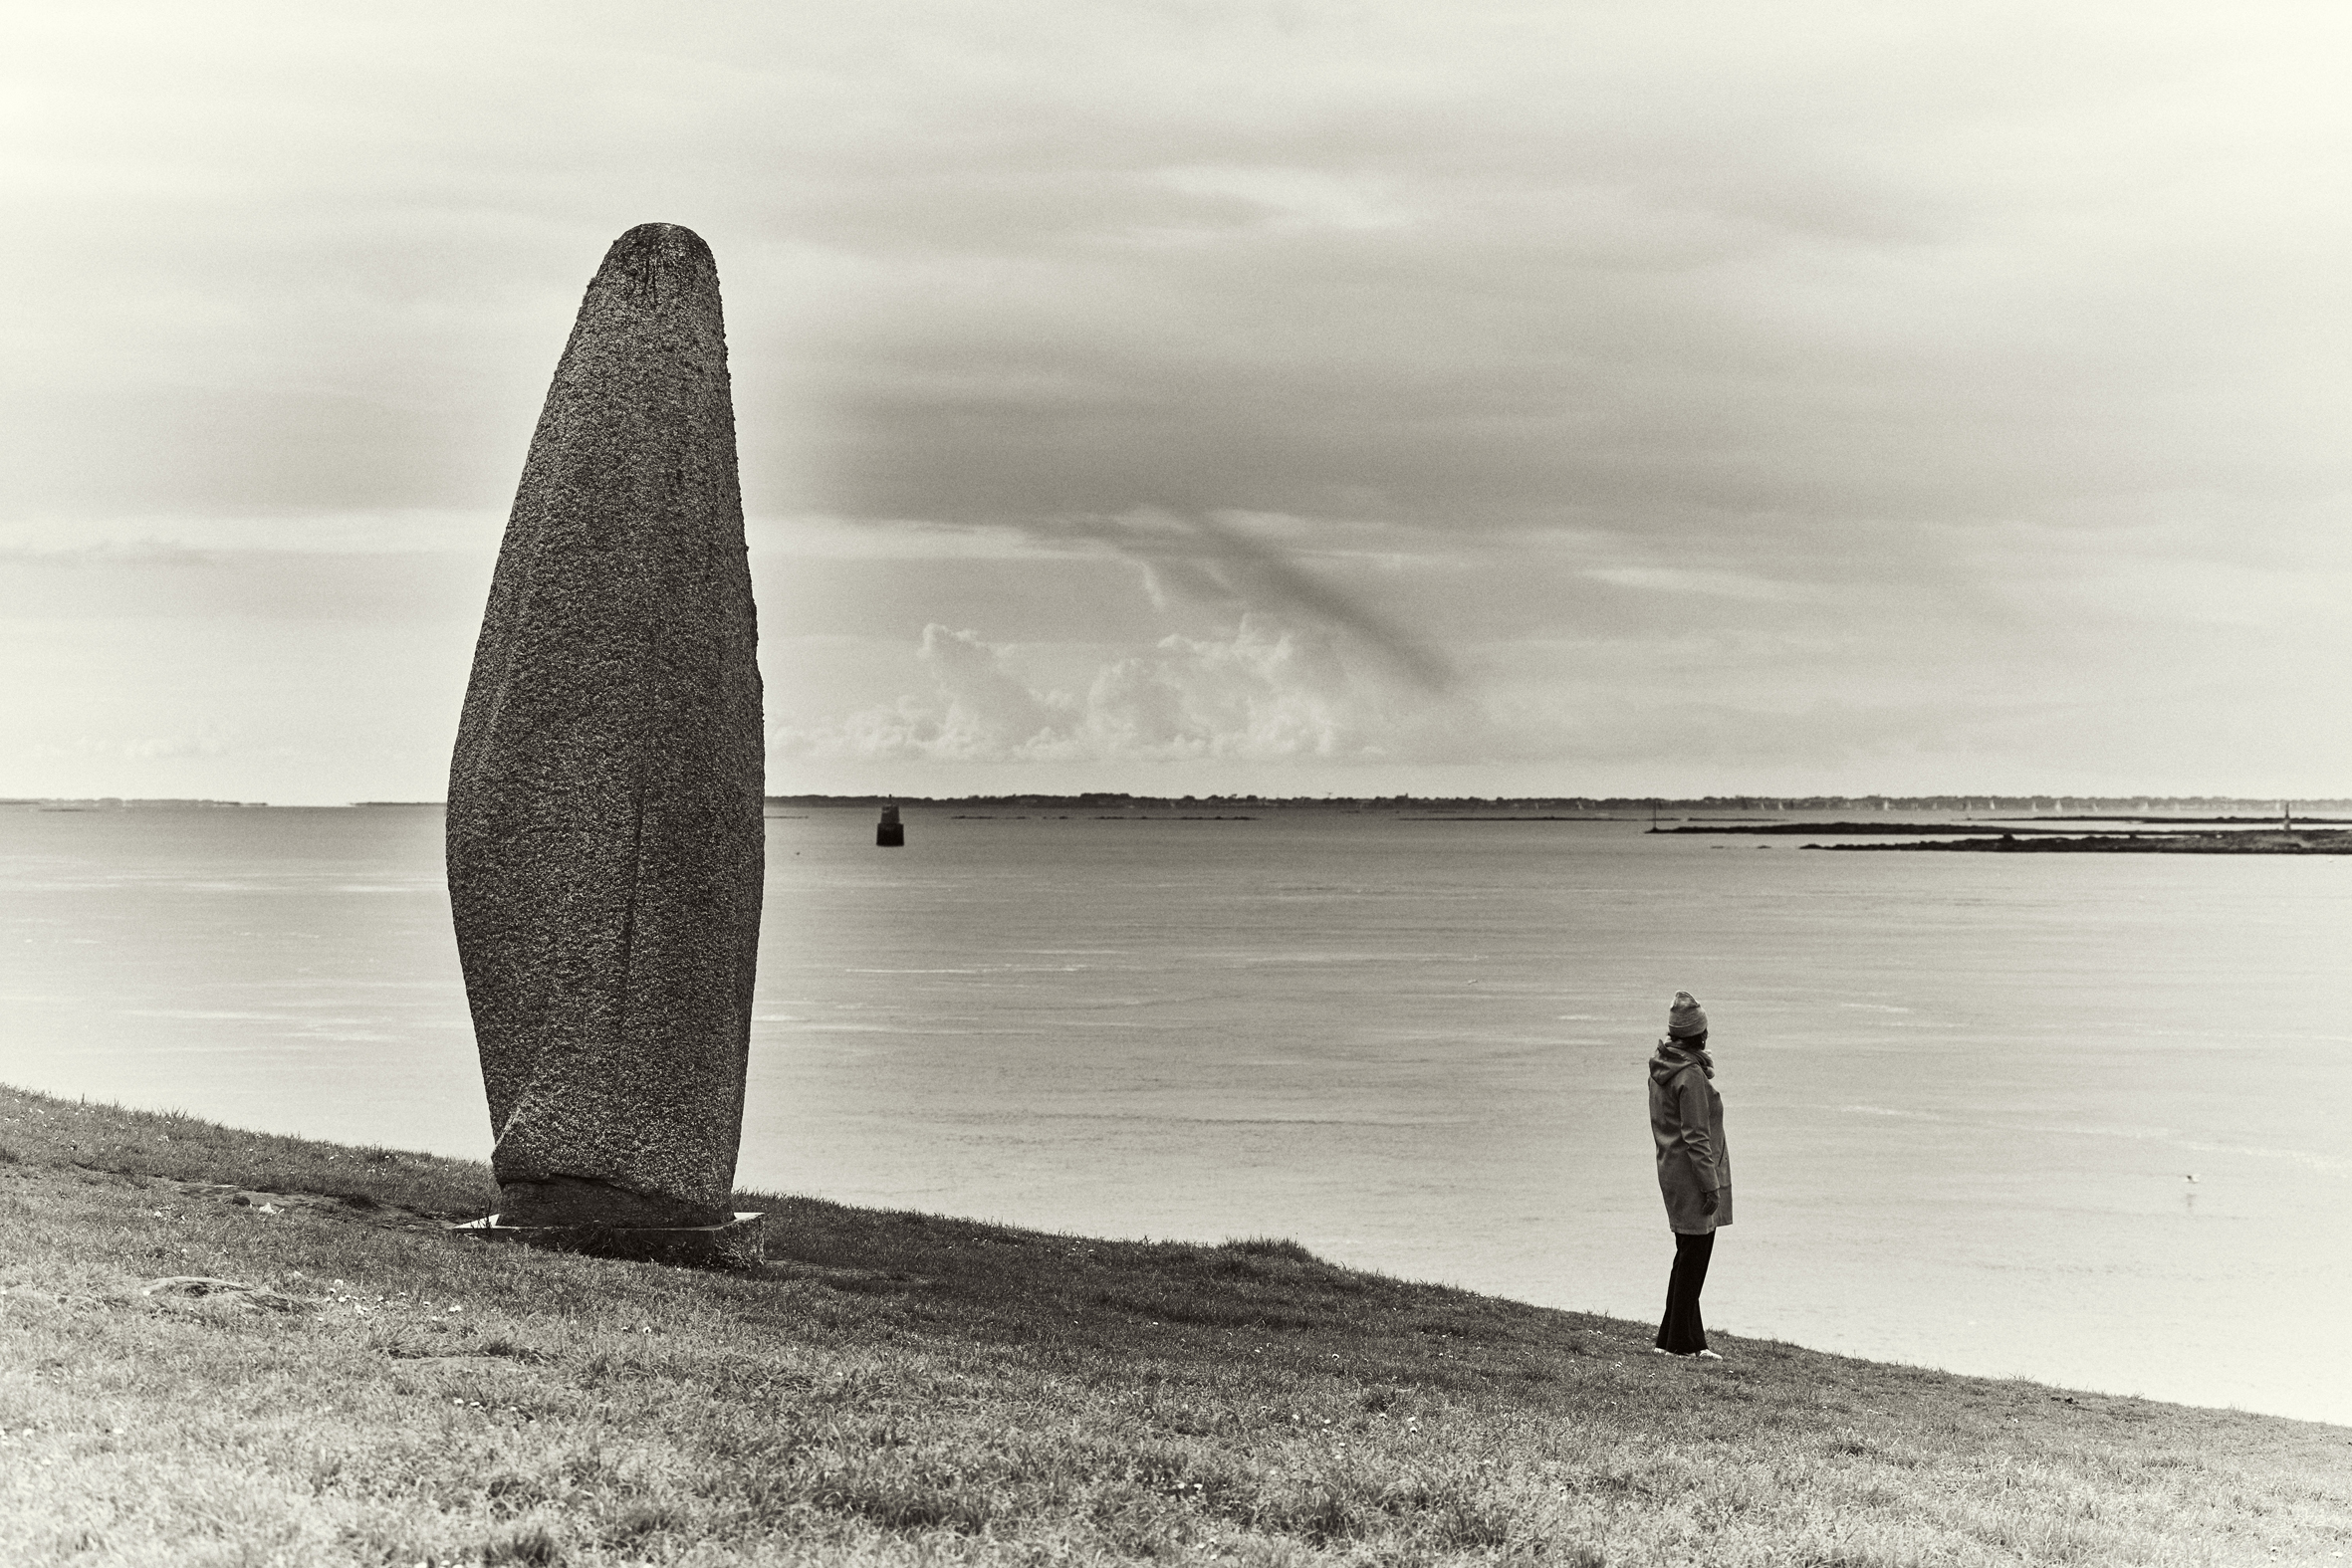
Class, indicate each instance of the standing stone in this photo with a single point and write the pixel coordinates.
(605, 801)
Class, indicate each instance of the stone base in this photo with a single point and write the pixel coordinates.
(738, 1243)
(606, 1206)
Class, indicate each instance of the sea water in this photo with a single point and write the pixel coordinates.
(1966, 1094)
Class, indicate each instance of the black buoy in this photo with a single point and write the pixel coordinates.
(891, 835)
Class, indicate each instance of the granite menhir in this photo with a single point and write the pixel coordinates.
(605, 802)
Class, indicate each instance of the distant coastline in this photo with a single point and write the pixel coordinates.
(1740, 809)
(120, 803)
(2201, 808)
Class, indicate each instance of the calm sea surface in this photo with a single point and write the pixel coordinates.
(1964, 1093)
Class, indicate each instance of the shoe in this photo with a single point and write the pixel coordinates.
(1705, 1355)
(1660, 1350)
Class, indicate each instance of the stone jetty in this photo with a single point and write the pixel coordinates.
(605, 844)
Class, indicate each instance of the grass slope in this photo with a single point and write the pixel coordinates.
(357, 1386)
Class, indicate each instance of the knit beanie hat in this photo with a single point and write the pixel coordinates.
(1686, 1019)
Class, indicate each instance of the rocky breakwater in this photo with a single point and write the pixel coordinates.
(2322, 841)
(605, 839)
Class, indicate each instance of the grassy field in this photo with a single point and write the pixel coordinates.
(355, 1386)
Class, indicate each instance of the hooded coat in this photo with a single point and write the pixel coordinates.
(1686, 1120)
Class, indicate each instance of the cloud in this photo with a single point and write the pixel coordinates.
(1679, 269)
(1763, 360)
(1710, 585)
(1216, 561)
(1292, 198)
(176, 746)
(1268, 691)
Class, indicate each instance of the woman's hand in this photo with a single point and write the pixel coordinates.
(1707, 1203)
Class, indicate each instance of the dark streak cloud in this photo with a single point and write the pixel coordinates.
(1215, 561)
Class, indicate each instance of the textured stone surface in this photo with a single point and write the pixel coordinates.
(605, 800)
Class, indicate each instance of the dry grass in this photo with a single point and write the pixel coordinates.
(901, 1388)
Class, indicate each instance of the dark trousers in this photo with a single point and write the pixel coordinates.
(1683, 1331)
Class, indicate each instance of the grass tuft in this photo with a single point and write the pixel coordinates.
(533, 1546)
(1270, 1247)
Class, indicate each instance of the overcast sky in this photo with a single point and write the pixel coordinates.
(1178, 397)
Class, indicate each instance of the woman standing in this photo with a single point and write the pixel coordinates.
(1694, 1168)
